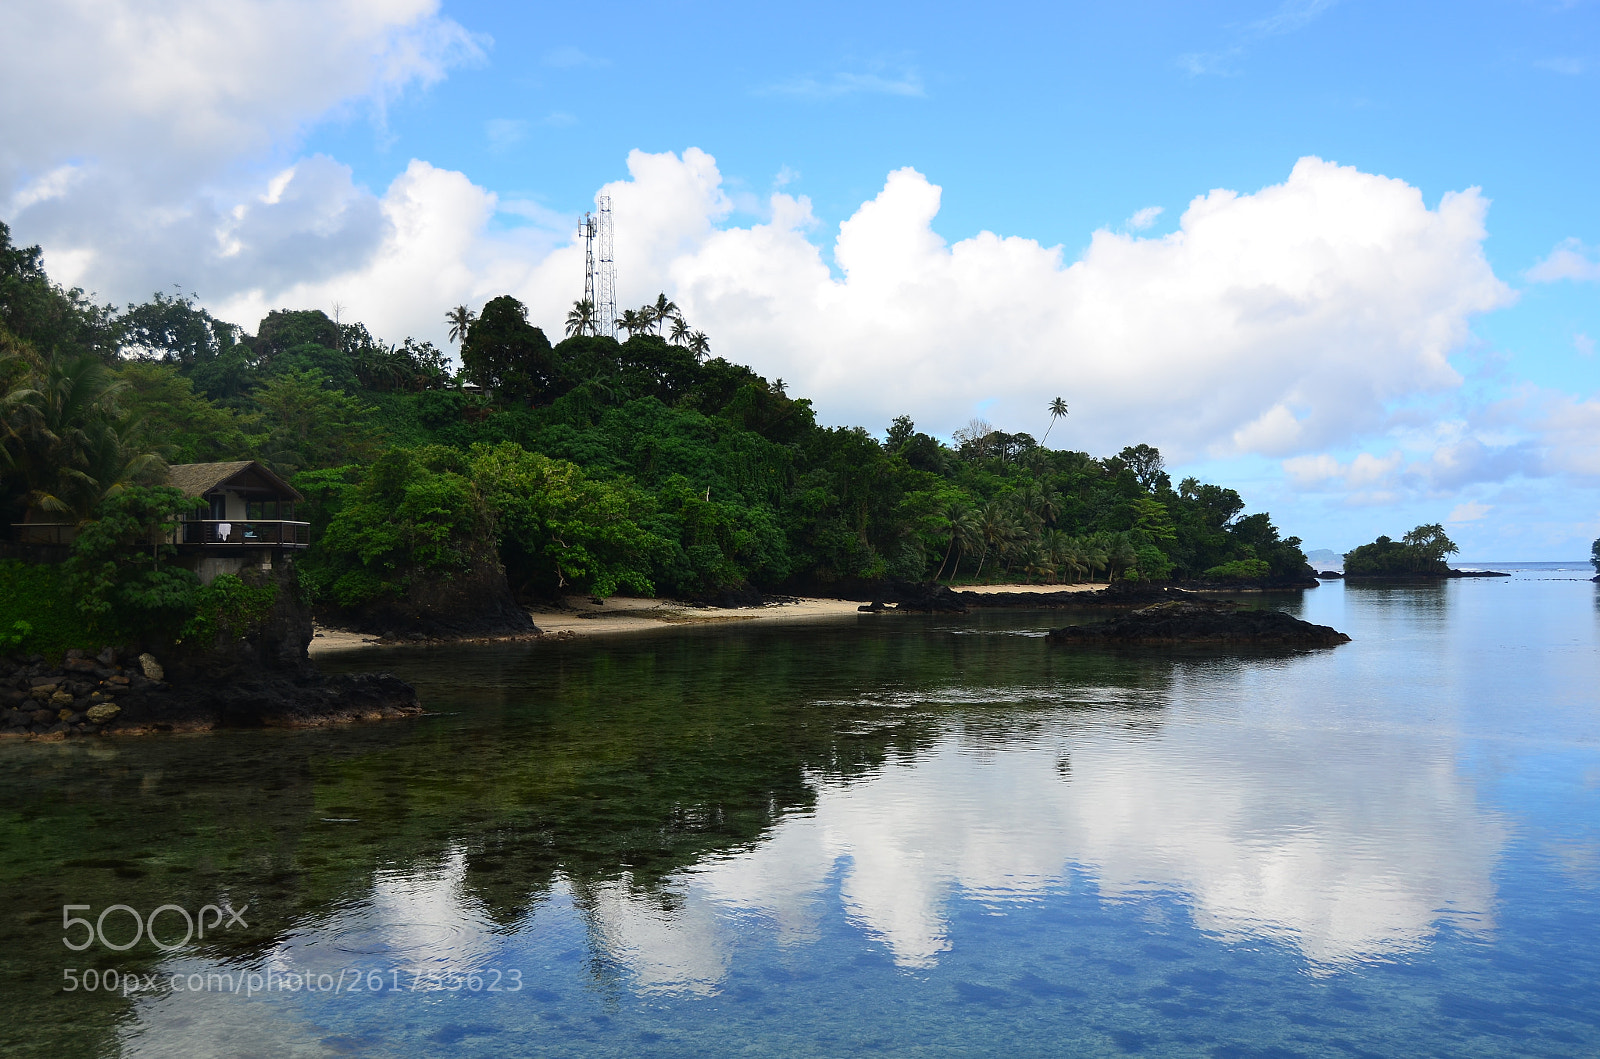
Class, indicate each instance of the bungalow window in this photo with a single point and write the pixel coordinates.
(261, 510)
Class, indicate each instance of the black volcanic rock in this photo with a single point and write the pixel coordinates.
(1188, 622)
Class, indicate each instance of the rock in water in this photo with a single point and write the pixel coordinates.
(150, 667)
(1188, 622)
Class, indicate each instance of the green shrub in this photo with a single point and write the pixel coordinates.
(229, 606)
(20, 631)
(1239, 570)
(121, 572)
(32, 595)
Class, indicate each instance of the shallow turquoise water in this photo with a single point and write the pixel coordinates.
(892, 835)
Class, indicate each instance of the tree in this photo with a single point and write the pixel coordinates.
(460, 320)
(963, 531)
(172, 328)
(680, 331)
(996, 530)
(582, 319)
(1058, 410)
(662, 311)
(975, 440)
(115, 573)
(312, 425)
(1422, 551)
(700, 346)
(506, 354)
(282, 330)
(1594, 556)
(192, 428)
(1431, 543)
(901, 430)
(65, 437)
(1147, 466)
(634, 320)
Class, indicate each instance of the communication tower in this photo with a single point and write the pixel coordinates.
(599, 268)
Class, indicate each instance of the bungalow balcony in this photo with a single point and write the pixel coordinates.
(239, 505)
(257, 533)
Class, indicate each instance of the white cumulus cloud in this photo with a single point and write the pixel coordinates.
(1569, 260)
(1283, 321)
(134, 132)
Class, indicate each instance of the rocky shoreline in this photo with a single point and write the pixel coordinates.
(116, 693)
(931, 598)
(1187, 622)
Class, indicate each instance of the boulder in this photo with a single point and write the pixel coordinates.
(102, 713)
(150, 667)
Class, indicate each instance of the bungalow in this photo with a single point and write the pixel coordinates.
(242, 507)
(245, 506)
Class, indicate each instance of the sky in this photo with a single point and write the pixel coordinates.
(1341, 256)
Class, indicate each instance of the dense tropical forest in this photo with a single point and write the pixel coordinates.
(588, 464)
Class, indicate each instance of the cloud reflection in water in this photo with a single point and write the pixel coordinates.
(1350, 846)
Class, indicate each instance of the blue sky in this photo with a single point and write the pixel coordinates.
(1048, 123)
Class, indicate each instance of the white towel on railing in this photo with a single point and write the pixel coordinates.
(223, 529)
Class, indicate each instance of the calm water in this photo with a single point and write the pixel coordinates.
(894, 835)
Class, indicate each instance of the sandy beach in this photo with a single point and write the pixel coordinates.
(620, 614)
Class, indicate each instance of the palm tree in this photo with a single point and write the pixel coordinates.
(63, 434)
(631, 321)
(460, 319)
(662, 311)
(1121, 555)
(1092, 552)
(996, 529)
(1058, 410)
(699, 345)
(680, 331)
(1031, 503)
(1064, 553)
(582, 319)
(963, 531)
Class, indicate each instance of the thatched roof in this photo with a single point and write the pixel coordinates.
(198, 479)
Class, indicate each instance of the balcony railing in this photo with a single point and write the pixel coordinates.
(44, 532)
(256, 533)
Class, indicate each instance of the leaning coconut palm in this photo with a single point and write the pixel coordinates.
(963, 530)
(582, 319)
(662, 311)
(699, 345)
(997, 531)
(1058, 410)
(460, 319)
(680, 331)
(1036, 562)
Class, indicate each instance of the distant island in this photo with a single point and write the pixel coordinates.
(1420, 554)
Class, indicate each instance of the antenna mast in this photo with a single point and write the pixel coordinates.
(599, 268)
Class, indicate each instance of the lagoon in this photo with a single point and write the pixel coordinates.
(891, 834)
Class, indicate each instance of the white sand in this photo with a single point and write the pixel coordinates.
(619, 614)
